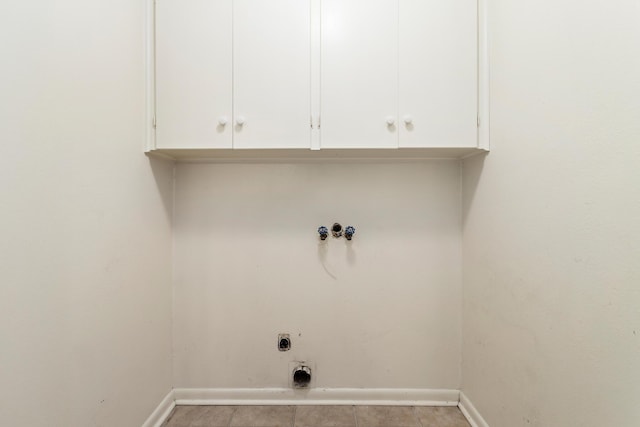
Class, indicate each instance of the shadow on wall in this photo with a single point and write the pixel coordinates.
(162, 170)
(323, 248)
(471, 172)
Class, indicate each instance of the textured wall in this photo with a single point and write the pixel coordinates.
(85, 295)
(382, 311)
(551, 232)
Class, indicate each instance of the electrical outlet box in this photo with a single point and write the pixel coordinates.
(284, 342)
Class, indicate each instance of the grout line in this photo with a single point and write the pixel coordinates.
(293, 420)
(355, 416)
(415, 414)
(233, 414)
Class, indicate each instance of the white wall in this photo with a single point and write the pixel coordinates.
(551, 220)
(85, 294)
(380, 312)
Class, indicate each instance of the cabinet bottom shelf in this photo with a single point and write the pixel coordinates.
(203, 154)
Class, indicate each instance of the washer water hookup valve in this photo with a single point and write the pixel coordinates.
(323, 231)
(349, 232)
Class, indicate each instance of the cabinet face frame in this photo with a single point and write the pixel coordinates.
(484, 117)
(150, 75)
(483, 77)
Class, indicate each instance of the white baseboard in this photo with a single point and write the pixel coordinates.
(161, 413)
(316, 396)
(470, 412)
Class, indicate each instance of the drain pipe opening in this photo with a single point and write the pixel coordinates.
(301, 377)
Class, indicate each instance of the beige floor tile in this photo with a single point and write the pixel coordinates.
(441, 416)
(200, 416)
(386, 416)
(263, 416)
(325, 416)
(179, 416)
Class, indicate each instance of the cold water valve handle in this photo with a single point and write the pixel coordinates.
(323, 231)
(349, 232)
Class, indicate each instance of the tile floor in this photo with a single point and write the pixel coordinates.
(316, 416)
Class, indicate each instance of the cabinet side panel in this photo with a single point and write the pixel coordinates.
(193, 73)
(438, 73)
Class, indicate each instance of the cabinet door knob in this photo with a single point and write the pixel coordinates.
(391, 121)
(240, 120)
(408, 119)
(222, 120)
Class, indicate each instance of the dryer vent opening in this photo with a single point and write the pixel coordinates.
(301, 377)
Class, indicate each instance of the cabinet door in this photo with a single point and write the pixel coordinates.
(193, 73)
(359, 74)
(271, 66)
(438, 73)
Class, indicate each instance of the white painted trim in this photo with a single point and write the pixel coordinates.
(159, 155)
(297, 155)
(476, 153)
(160, 414)
(483, 76)
(316, 396)
(470, 412)
(150, 74)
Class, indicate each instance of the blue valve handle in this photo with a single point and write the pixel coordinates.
(350, 230)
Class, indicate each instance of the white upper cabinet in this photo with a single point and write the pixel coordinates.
(359, 74)
(438, 83)
(271, 72)
(233, 74)
(193, 74)
(328, 74)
